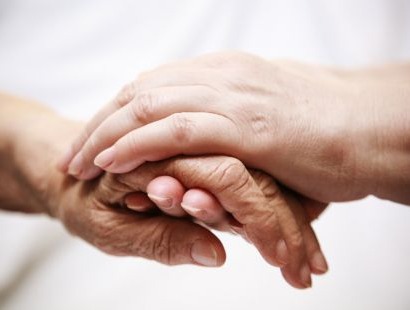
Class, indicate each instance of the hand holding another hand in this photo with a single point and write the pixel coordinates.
(274, 221)
(287, 119)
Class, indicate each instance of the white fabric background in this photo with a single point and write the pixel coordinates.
(75, 55)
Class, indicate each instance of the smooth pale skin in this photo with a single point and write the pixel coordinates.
(326, 133)
(32, 138)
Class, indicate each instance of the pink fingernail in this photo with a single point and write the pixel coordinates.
(62, 164)
(204, 253)
(140, 208)
(89, 173)
(196, 212)
(282, 253)
(305, 277)
(75, 167)
(318, 262)
(163, 202)
(105, 158)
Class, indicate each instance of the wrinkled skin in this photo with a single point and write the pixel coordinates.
(95, 211)
(267, 114)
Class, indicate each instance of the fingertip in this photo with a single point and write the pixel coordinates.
(318, 263)
(75, 167)
(209, 254)
(300, 280)
(305, 276)
(90, 173)
(138, 202)
(167, 192)
(166, 186)
(63, 163)
(111, 163)
(105, 158)
(282, 253)
(203, 206)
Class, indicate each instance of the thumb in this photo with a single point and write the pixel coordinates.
(119, 231)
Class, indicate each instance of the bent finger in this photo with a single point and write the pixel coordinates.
(139, 202)
(290, 215)
(167, 192)
(229, 181)
(123, 97)
(174, 74)
(144, 108)
(180, 133)
(317, 261)
(203, 206)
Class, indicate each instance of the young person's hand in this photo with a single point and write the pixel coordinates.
(330, 135)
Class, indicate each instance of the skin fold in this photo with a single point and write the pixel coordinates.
(273, 218)
(328, 134)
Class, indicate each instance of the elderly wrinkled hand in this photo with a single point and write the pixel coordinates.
(273, 220)
(103, 211)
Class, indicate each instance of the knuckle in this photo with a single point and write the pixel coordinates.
(260, 124)
(295, 240)
(144, 75)
(231, 175)
(142, 108)
(125, 95)
(266, 184)
(181, 127)
(225, 58)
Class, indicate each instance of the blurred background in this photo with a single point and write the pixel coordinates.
(75, 55)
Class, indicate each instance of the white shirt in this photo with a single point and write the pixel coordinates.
(75, 55)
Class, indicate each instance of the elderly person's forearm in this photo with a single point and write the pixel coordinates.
(29, 142)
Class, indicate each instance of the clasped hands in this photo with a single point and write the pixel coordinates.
(229, 141)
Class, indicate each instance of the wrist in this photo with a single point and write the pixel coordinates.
(45, 145)
(380, 129)
(32, 137)
(313, 151)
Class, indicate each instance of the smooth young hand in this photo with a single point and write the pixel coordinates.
(330, 135)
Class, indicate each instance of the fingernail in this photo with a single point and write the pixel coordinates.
(204, 253)
(196, 212)
(305, 276)
(139, 208)
(75, 166)
(163, 202)
(89, 174)
(282, 253)
(318, 262)
(105, 158)
(65, 159)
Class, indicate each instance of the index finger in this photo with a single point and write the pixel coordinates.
(124, 96)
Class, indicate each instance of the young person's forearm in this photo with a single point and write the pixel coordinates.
(30, 140)
(384, 129)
